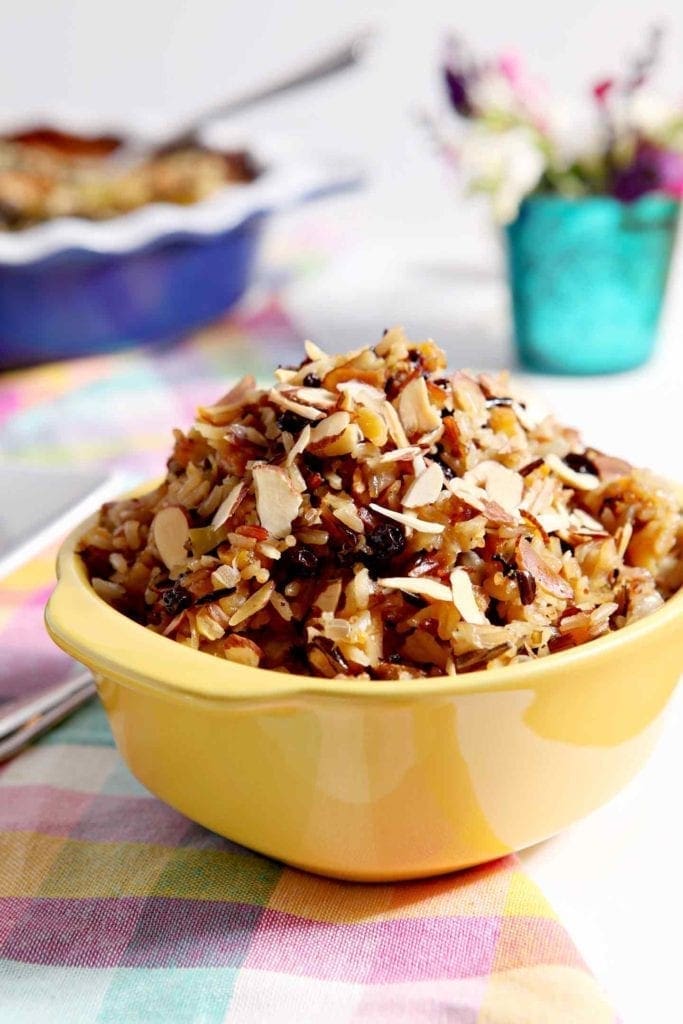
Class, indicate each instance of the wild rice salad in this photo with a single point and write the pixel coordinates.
(376, 515)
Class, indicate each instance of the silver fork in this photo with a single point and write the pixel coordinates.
(24, 720)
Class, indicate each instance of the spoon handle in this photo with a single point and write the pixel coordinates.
(337, 59)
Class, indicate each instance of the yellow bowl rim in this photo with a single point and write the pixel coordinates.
(75, 613)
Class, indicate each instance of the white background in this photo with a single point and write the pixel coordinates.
(415, 252)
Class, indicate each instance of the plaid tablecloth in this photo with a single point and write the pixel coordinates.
(115, 908)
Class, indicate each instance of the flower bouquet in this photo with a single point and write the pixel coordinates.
(589, 201)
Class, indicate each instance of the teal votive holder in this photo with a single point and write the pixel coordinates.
(588, 278)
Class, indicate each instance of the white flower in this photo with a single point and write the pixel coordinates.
(574, 130)
(508, 165)
(651, 113)
(490, 91)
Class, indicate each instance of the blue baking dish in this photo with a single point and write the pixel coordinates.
(72, 287)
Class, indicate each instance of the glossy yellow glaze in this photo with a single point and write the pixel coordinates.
(367, 780)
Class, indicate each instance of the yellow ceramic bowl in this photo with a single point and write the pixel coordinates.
(367, 780)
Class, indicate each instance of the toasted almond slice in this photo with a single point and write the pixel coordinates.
(502, 485)
(313, 352)
(406, 519)
(224, 409)
(253, 605)
(250, 434)
(398, 434)
(398, 455)
(277, 502)
(228, 505)
(171, 533)
(421, 585)
(331, 426)
(307, 411)
(477, 498)
(347, 514)
(320, 398)
(426, 488)
(586, 523)
(549, 580)
(363, 394)
(417, 413)
(299, 445)
(553, 522)
(579, 481)
(344, 444)
(284, 375)
(608, 466)
(464, 599)
(207, 626)
(242, 650)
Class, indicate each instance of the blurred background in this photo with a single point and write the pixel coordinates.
(409, 247)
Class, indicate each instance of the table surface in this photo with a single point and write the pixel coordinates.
(613, 878)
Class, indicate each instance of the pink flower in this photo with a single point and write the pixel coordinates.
(510, 67)
(602, 89)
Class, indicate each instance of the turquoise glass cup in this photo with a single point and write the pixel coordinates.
(588, 278)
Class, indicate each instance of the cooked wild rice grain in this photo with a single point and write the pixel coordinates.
(298, 542)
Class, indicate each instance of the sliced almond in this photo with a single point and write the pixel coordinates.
(502, 485)
(313, 352)
(547, 579)
(406, 519)
(608, 467)
(398, 455)
(242, 650)
(319, 398)
(335, 435)
(362, 394)
(426, 488)
(345, 444)
(332, 426)
(284, 375)
(250, 434)
(398, 434)
(416, 412)
(254, 604)
(299, 445)
(586, 524)
(477, 498)
(228, 505)
(464, 599)
(420, 585)
(299, 408)
(207, 625)
(553, 522)
(277, 501)
(579, 481)
(224, 409)
(171, 533)
(346, 513)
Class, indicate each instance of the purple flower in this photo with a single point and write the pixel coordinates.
(651, 170)
(456, 86)
(642, 175)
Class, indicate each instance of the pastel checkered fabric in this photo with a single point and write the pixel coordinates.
(115, 909)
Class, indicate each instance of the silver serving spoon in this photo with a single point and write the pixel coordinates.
(345, 55)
